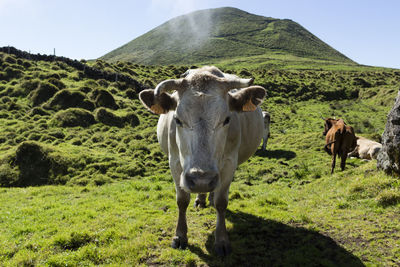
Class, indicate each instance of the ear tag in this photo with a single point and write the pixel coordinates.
(249, 106)
(157, 109)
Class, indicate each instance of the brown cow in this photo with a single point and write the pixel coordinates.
(340, 140)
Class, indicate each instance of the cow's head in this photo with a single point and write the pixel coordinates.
(202, 108)
(328, 125)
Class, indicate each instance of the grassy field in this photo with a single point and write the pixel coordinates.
(84, 183)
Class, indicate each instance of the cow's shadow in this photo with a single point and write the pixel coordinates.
(276, 154)
(260, 242)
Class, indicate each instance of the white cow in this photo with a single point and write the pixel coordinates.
(366, 149)
(267, 122)
(206, 131)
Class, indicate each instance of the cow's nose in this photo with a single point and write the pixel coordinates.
(200, 181)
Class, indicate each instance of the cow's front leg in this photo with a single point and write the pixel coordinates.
(222, 244)
(180, 239)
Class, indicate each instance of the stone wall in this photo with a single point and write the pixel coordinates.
(90, 72)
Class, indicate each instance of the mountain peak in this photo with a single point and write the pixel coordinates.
(214, 35)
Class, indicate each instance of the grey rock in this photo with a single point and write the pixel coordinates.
(389, 157)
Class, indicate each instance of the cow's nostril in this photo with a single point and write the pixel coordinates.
(190, 181)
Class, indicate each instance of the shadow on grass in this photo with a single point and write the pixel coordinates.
(259, 242)
(276, 154)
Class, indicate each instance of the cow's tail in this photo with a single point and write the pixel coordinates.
(326, 147)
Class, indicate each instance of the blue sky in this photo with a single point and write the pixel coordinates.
(366, 31)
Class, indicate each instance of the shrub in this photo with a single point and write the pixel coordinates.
(9, 59)
(8, 175)
(54, 75)
(69, 99)
(131, 119)
(27, 64)
(12, 73)
(30, 85)
(103, 83)
(38, 111)
(85, 89)
(130, 93)
(388, 198)
(25, 88)
(74, 241)
(108, 118)
(361, 82)
(73, 117)
(43, 93)
(56, 82)
(103, 98)
(32, 165)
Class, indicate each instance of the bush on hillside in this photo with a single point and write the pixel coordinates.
(27, 64)
(25, 88)
(12, 73)
(69, 99)
(103, 98)
(85, 89)
(56, 82)
(30, 85)
(131, 119)
(3, 75)
(107, 117)
(38, 111)
(9, 59)
(32, 164)
(43, 93)
(131, 94)
(73, 117)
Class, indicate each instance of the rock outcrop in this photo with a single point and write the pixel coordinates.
(389, 158)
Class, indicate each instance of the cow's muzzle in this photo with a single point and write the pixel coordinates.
(198, 181)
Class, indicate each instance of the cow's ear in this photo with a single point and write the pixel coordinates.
(158, 105)
(246, 99)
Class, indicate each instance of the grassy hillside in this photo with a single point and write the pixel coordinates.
(83, 180)
(224, 34)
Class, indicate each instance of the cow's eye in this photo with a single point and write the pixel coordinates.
(178, 122)
(227, 120)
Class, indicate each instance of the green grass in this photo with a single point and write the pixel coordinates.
(132, 223)
(110, 198)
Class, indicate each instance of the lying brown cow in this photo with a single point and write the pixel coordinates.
(340, 140)
(365, 149)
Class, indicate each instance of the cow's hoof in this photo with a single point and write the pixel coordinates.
(223, 249)
(198, 203)
(179, 242)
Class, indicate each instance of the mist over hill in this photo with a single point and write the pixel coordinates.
(216, 35)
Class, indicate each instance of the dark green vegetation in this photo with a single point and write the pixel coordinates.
(70, 133)
(229, 36)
